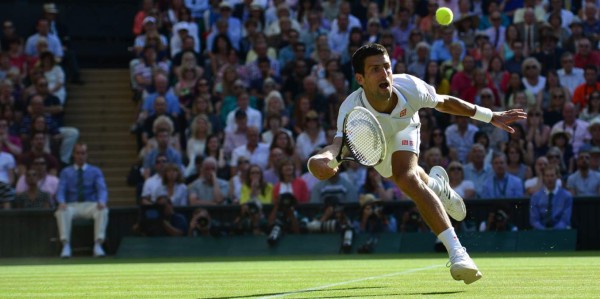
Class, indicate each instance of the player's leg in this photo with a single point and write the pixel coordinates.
(439, 182)
(407, 176)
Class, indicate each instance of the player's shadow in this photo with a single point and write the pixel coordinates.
(296, 292)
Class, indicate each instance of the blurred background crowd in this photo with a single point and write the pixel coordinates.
(235, 95)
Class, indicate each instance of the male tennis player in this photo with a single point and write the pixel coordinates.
(395, 100)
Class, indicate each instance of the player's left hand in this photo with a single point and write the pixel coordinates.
(504, 118)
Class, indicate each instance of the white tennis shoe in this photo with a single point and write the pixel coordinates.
(453, 203)
(463, 268)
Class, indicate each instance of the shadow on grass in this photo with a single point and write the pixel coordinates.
(388, 295)
(294, 292)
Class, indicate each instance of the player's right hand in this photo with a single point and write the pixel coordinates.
(317, 165)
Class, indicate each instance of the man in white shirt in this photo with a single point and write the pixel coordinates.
(257, 153)
(254, 118)
(148, 196)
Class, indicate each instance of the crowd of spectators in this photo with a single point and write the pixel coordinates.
(235, 95)
(35, 69)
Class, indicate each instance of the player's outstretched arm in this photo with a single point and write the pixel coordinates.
(317, 164)
(501, 119)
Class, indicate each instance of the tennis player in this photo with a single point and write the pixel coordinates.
(395, 100)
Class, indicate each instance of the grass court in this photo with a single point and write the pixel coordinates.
(506, 275)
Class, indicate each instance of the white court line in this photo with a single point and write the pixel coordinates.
(352, 281)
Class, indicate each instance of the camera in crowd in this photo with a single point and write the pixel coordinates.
(287, 201)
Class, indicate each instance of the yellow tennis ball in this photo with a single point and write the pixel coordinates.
(444, 16)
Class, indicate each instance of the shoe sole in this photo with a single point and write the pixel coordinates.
(442, 172)
(468, 275)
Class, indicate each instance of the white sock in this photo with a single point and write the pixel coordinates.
(434, 185)
(450, 240)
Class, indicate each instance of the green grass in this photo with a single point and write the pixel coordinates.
(556, 275)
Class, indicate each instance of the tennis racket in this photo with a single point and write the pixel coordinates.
(363, 140)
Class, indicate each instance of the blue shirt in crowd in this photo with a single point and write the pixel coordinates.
(509, 186)
(560, 216)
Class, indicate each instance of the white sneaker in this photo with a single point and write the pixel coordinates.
(66, 251)
(98, 251)
(453, 203)
(463, 268)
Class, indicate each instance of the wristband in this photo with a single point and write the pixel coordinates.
(483, 114)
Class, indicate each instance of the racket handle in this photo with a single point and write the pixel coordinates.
(333, 163)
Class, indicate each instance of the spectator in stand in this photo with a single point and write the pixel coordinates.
(419, 66)
(584, 182)
(237, 137)
(32, 196)
(208, 189)
(186, 81)
(440, 49)
(582, 92)
(537, 131)
(161, 84)
(9, 32)
(200, 130)
(47, 182)
(501, 184)
(271, 173)
(172, 185)
(497, 31)
(277, 117)
(162, 122)
(461, 80)
(551, 207)
(591, 25)
(515, 163)
(163, 147)
(43, 31)
(181, 31)
(289, 182)
(592, 109)
(285, 142)
(147, 196)
(477, 170)
(54, 75)
(465, 188)
(255, 188)
(220, 48)
(552, 84)
(148, 8)
(553, 113)
(213, 149)
(513, 64)
(37, 150)
(536, 183)
(234, 25)
(549, 52)
(586, 54)
(253, 116)
(532, 79)
(475, 92)
(255, 151)
(576, 128)
(376, 185)
(81, 194)
(311, 137)
(237, 180)
(9, 143)
(529, 30)
(150, 29)
(291, 89)
(147, 70)
(52, 105)
(459, 136)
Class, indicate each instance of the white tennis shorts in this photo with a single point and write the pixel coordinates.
(408, 140)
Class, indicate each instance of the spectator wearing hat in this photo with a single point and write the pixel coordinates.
(181, 31)
(466, 27)
(577, 128)
(560, 139)
(150, 29)
(234, 25)
(551, 207)
(582, 93)
(569, 75)
(148, 8)
(584, 182)
(501, 184)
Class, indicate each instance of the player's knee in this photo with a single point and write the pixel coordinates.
(407, 180)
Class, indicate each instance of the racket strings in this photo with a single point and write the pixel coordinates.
(364, 139)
